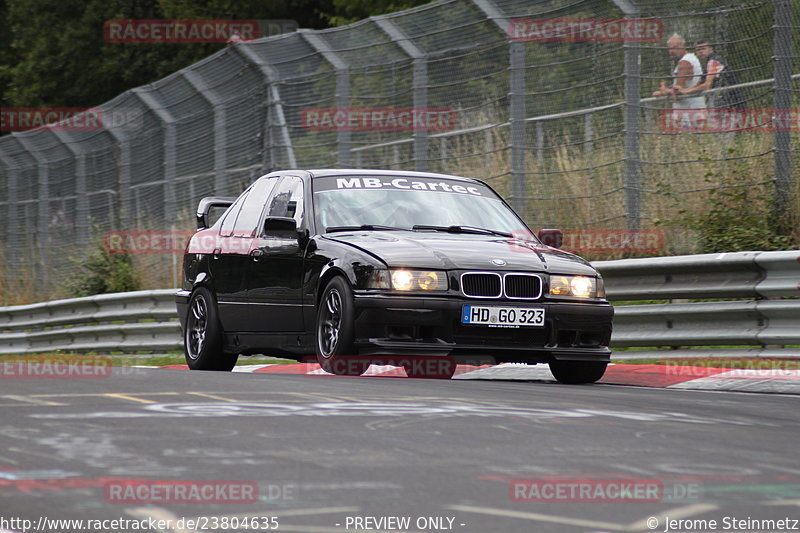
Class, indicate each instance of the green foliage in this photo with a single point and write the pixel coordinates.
(737, 214)
(101, 272)
(53, 54)
(347, 11)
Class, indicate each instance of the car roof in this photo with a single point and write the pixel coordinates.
(324, 172)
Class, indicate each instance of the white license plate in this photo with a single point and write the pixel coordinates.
(502, 316)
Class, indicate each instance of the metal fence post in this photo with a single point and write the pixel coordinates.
(81, 198)
(319, 44)
(12, 229)
(588, 133)
(517, 118)
(419, 84)
(271, 78)
(220, 128)
(539, 142)
(42, 209)
(420, 87)
(516, 93)
(632, 75)
(783, 103)
(170, 141)
(123, 166)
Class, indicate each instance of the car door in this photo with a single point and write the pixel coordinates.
(230, 260)
(275, 274)
(228, 268)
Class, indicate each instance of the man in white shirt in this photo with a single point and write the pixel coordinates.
(687, 74)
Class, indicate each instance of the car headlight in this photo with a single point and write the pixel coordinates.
(577, 286)
(402, 279)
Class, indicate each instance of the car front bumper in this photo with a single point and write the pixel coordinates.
(406, 325)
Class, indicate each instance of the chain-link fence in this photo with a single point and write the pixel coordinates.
(548, 100)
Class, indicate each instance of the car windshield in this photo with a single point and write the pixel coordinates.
(405, 202)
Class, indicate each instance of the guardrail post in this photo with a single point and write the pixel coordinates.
(42, 211)
(170, 164)
(419, 83)
(82, 199)
(783, 103)
(270, 77)
(632, 121)
(318, 43)
(220, 128)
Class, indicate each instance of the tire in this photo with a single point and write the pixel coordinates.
(578, 372)
(430, 367)
(202, 337)
(335, 331)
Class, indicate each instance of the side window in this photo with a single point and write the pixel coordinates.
(288, 200)
(248, 217)
(230, 215)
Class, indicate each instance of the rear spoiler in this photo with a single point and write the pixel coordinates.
(207, 203)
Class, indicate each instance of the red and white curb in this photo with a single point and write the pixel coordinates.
(659, 376)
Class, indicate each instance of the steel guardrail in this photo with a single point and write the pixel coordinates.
(128, 322)
(760, 308)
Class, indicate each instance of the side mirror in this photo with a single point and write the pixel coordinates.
(206, 204)
(281, 227)
(551, 237)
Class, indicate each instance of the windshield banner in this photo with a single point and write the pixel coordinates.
(401, 183)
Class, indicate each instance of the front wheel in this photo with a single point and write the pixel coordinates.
(202, 338)
(335, 331)
(578, 372)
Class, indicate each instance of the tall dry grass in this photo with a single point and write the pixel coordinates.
(573, 187)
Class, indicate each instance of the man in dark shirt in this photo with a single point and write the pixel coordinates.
(718, 74)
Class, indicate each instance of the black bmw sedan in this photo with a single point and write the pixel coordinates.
(355, 267)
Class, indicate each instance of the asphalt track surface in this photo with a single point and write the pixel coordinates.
(325, 451)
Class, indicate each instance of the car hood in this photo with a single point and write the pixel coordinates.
(439, 250)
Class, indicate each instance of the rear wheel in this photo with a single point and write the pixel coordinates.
(335, 331)
(577, 372)
(202, 338)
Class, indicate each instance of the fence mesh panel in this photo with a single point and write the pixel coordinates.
(565, 127)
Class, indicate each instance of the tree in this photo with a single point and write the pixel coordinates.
(53, 53)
